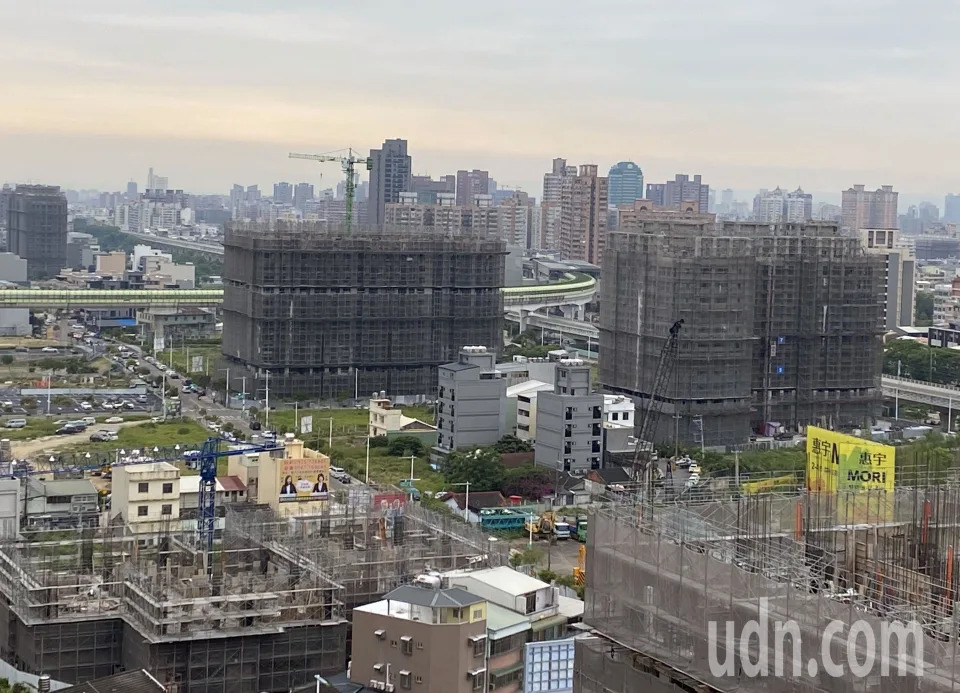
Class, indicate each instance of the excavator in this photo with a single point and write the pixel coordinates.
(547, 526)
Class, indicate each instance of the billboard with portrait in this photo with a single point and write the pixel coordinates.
(303, 479)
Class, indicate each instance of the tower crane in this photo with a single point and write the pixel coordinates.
(206, 460)
(348, 162)
(643, 456)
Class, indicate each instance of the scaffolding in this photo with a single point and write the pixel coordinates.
(781, 323)
(662, 574)
(80, 604)
(335, 314)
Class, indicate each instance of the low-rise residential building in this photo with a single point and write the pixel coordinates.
(507, 633)
(618, 410)
(569, 421)
(61, 503)
(536, 600)
(522, 399)
(421, 637)
(470, 395)
(230, 489)
(388, 420)
(146, 496)
(187, 322)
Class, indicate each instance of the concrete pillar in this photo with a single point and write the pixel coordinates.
(523, 319)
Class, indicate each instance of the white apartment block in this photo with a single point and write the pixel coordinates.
(147, 496)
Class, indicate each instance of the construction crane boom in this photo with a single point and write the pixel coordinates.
(349, 163)
(205, 458)
(643, 456)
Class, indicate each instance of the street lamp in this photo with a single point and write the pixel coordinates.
(466, 500)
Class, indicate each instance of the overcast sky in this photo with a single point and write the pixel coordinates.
(750, 93)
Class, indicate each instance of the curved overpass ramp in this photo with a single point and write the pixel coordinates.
(573, 289)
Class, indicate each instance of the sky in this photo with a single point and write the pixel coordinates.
(818, 93)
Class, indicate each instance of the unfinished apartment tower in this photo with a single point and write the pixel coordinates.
(335, 315)
(781, 323)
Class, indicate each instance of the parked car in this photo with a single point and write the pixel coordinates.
(50, 350)
(254, 425)
(70, 429)
(103, 436)
(114, 420)
(6, 403)
(16, 423)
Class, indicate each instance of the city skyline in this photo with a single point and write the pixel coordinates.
(231, 92)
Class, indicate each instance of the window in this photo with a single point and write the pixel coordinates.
(58, 500)
(166, 509)
(478, 613)
(419, 679)
(479, 643)
(626, 416)
(143, 487)
(141, 511)
(405, 679)
(508, 644)
(476, 676)
(406, 645)
(168, 488)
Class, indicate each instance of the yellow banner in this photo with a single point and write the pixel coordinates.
(766, 485)
(838, 462)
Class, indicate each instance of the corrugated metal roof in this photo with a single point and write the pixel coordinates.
(67, 487)
(231, 483)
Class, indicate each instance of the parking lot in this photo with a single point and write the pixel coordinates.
(10, 402)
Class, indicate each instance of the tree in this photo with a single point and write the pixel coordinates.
(528, 556)
(924, 308)
(510, 443)
(528, 481)
(404, 446)
(481, 467)
(379, 442)
(7, 360)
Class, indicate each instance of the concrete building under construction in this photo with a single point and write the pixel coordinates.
(660, 575)
(334, 315)
(272, 612)
(781, 324)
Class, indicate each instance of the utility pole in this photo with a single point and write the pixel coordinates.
(243, 400)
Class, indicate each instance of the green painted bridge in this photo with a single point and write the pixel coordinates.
(574, 288)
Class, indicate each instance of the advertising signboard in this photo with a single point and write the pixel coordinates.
(303, 479)
(839, 462)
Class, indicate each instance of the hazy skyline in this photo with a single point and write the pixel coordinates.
(819, 94)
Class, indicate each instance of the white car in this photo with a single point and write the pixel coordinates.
(6, 403)
(114, 420)
(107, 405)
(86, 406)
(161, 367)
(50, 350)
(694, 468)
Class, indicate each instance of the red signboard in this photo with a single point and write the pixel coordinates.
(389, 501)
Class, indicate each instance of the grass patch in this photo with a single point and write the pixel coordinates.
(385, 469)
(189, 434)
(182, 362)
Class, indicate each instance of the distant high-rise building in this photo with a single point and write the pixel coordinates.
(951, 209)
(37, 228)
(680, 189)
(868, 209)
(155, 182)
(132, 190)
(778, 206)
(726, 197)
(390, 175)
(626, 183)
(470, 183)
(550, 203)
(427, 188)
(283, 193)
(899, 292)
(301, 194)
(583, 215)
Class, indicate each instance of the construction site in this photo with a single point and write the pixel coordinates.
(79, 605)
(661, 574)
(312, 308)
(781, 324)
